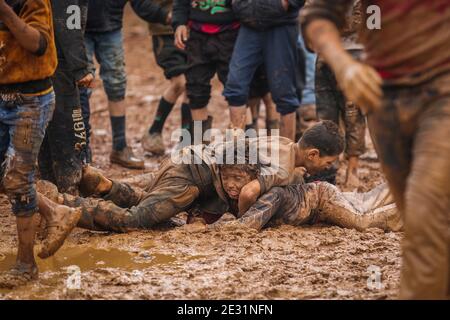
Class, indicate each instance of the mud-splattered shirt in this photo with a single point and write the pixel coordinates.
(413, 44)
(275, 154)
(20, 66)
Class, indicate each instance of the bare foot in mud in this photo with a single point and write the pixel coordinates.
(60, 221)
(20, 275)
(94, 183)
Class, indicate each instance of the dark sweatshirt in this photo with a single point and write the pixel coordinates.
(263, 14)
(218, 12)
(107, 15)
(70, 42)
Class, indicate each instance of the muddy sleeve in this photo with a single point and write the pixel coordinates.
(37, 14)
(335, 11)
(149, 11)
(180, 14)
(70, 40)
(264, 209)
(272, 177)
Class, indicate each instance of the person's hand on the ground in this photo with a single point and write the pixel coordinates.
(361, 84)
(285, 4)
(181, 36)
(87, 81)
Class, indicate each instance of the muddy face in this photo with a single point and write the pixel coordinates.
(233, 180)
(314, 163)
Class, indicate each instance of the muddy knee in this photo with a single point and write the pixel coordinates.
(21, 194)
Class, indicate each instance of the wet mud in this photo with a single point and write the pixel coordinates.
(283, 262)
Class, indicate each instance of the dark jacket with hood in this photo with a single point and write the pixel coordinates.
(215, 12)
(70, 39)
(264, 14)
(107, 15)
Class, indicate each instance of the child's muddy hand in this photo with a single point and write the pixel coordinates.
(362, 85)
(181, 36)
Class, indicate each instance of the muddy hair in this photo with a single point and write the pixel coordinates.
(240, 161)
(325, 137)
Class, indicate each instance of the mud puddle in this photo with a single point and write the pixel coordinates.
(89, 258)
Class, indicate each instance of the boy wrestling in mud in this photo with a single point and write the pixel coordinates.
(214, 189)
(208, 187)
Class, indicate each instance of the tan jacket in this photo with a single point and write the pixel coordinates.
(18, 65)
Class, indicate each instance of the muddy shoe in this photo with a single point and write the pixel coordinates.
(126, 159)
(18, 276)
(61, 220)
(93, 182)
(153, 142)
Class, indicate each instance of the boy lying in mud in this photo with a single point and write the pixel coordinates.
(207, 186)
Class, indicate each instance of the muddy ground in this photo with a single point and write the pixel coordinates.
(285, 262)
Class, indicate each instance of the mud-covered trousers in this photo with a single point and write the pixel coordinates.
(22, 128)
(64, 146)
(412, 138)
(323, 202)
(128, 207)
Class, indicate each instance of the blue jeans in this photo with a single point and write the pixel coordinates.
(276, 48)
(22, 129)
(309, 95)
(108, 50)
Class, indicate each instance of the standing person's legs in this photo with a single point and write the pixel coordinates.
(66, 135)
(281, 57)
(201, 69)
(174, 63)
(23, 124)
(415, 161)
(110, 55)
(246, 58)
(328, 102)
(426, 245)
(355, 135)
(85, 95)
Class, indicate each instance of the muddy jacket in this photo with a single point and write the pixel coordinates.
(107, 15)
(70, 41)
(413, 44)
(204, 11)
(263, 14)
(20, 70)
(276, 155)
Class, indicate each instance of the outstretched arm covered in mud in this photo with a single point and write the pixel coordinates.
(321, 21)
